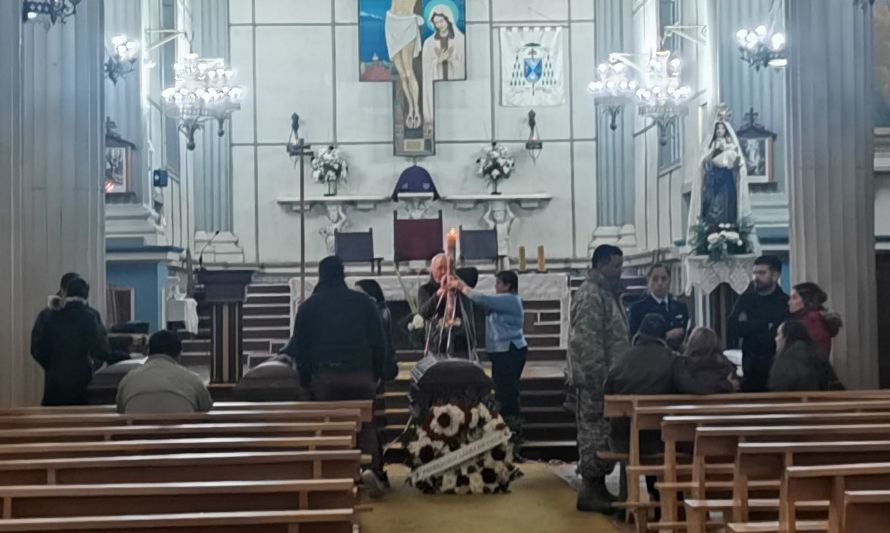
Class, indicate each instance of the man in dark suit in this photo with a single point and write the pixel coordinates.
(659, 300)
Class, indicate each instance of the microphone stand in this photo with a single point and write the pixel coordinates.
(297, 148)
(201, 254)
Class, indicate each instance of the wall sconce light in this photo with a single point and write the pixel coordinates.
(533, 145)
(48, 11)
(121, 58)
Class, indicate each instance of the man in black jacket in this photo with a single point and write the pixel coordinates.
(659, 300)
(754, 321)
(71, 339)
(338, 346)
(55, 303)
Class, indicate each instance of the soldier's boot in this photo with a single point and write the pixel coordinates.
(594, 497)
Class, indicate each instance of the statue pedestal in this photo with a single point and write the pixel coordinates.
(705, 275)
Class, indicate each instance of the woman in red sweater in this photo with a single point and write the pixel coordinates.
(807, 304)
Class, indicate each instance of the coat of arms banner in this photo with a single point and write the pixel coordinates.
(532, 67)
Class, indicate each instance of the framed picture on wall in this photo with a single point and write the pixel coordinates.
(118, 161)
(756, 143)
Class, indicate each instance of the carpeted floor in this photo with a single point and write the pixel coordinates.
(540, 502)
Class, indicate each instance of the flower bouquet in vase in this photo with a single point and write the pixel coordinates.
(330, 167)
(495, 164)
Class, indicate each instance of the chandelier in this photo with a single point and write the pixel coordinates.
(203, 92)
(658, 95)
(613, 88)
(122, 58)
(49, 11)
(762, 49)
(662, 97)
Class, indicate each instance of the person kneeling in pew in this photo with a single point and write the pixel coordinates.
(162, 385)
(648, 367)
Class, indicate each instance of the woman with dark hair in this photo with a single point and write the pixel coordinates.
(505, 342)
(799, 364)
(807, 304)
(373, 290)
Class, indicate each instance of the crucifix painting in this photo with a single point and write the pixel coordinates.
(412, 44)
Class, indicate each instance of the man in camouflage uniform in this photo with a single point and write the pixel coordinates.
(597, 336)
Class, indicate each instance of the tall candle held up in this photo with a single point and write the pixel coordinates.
(542, 267)
(522, 258)
(451, 298)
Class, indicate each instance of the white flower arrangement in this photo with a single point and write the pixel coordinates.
(417, 323)
(448, 428)
(330, 167)
(719, 241)
(447, 420)
(495, 164)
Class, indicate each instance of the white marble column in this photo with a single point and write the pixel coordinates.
(51, 167)
(830, 167)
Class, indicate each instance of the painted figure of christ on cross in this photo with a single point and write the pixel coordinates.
(412, 44)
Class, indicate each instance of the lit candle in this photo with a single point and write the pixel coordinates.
(522, 258)
(541, 266)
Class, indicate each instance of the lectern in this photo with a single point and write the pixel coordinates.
(225, 292)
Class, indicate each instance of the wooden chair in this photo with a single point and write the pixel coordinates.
(479, 245)
(357, 247)
(416, 239)
(321, 521)
(206, 466)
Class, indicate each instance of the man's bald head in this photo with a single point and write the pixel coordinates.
(439, 268)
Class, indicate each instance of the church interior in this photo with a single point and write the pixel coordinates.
(215, 155)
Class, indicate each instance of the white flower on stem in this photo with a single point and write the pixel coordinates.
(417, 323)
(418, 444)
(739, 242)
(714, 237)
(477, 486)
(449, 481)
(732, 235)
(447, 420)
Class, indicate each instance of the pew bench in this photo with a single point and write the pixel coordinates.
(312, 521)
(218, 466)
(171, 498)
(168, 446)
(866, 510)
(217, 417)
(365, 406)
(178, 431)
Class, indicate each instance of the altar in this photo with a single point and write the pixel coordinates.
(535, 289)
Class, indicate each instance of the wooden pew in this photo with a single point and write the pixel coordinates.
(117, 433)
(681, 429)
(217, 417)
(764, 460)
(649, 417)
(170, 446)
(365, 406)
(866, 510)
(321, 521)
(213, 466)
(828, 482)
(171, 498)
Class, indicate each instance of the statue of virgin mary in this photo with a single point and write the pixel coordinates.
(720, 187)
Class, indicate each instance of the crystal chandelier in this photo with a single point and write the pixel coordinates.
(122, 58)
(203, 92)
(613, 89)
(49, 11)
(762, 49)
(662, 97)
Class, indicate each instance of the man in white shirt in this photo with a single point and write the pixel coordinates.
(162, 385)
